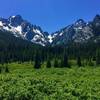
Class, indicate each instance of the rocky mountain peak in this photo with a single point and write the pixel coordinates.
(96, 18)
(15, 20)
(24, 29)
(80, 22)
(79, 31)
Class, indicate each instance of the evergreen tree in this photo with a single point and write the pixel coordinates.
(2, 58)
(0, 69)
(90, 62)
(56, 65)
(37, 64)
(64, 61)
(48, 65)
(6, 69)
(98, 57)
(79, 61)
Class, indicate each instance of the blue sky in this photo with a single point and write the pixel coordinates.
(51, 15)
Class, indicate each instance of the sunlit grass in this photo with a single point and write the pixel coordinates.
(23, 82)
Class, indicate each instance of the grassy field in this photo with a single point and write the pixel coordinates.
(26, 83)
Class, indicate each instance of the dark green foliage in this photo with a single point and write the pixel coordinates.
(48, 64)
(56, 64)
(98, 57)
(64, 61)
(37, 64)
(79, 61)
(91, 63)
(17, 50)
(6, 69)
(0, 69)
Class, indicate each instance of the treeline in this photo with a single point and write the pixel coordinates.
(65, 60)
(57, 63)
(17, 50)
(60, 55)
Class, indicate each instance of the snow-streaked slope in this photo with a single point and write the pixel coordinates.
(21, 28)
(78, 32)
(1, 24)
(50, 38)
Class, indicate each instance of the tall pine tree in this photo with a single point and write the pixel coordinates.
(37, 61)
(48, 64)
(64, 61)
(98, 57)
(79, 61)
(56, 65)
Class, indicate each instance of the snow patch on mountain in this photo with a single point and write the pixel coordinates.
(50, 38)
(13, 16)
(19, 29)
(36, 37)
(61, 34)
(36, 40)
(54, 35)
(1, 24)
(80, 31)
(6, 28)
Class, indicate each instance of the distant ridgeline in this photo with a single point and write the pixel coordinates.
(22, 41)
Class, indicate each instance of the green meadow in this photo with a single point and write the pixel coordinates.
(23, 82)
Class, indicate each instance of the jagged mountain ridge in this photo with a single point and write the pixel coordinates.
(78, 32)
(22, 28)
